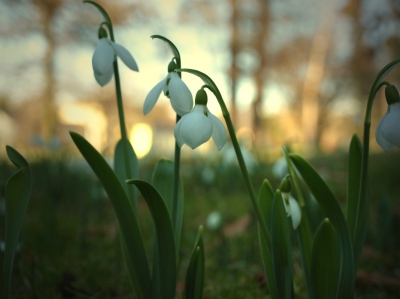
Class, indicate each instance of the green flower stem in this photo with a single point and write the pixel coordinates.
(175, 194)
(365, 149)
(241, 162)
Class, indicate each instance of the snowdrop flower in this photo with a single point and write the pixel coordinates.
(292, 207)
(198, 126)
(174, 88)
(388, 130)
(104, 55)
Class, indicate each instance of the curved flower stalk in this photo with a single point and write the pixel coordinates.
(387, 132)
(104, 56)
(175, 89)
(200, 125)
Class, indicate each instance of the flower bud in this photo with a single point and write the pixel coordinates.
(392, 95)
(201, 97)
(285, 185)
(102, 33)
(171, 66)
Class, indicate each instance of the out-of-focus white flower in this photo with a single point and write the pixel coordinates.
(180, 96)
(292, 208)
(214, 220)
(103, 58)
(279, 168)
(198, 126)
(388, 130)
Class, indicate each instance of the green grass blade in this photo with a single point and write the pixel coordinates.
(138, 265)
(281, 248)
(332, 210)
(17, 193)
(303, 232)
(325, 262)
(357, 207)
(266, 200)
(195, 272)
(165, 237)
(163, 181)
(119, 168)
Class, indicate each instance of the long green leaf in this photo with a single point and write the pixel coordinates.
(281, 248)
(18, 192)
(325, 263)
(165, 237)
(163, 181)
(266, 200)
(357, 206)
(195, 273)
(332, 210)
(140, 272)
(121, 172)
(303, 232)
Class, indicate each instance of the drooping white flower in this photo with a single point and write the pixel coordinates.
(291, 205)
(388, 130)
(180, 96)
(103, 58)
(292, 208)
(198, 126)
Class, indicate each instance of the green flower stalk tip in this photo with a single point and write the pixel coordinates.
(179, 94)
(198, 126)
(102, 33)
(285, 185)
(387, 132)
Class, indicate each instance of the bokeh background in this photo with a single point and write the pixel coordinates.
(294, 73)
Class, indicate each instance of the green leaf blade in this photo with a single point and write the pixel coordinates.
(17, 193)
(163, 181)
(332, 210)
(165, 237)
(138, 265)
(281, 248)
(325, 262)
(303, 232)
(195, 273)
(122, 172)
(266, 200)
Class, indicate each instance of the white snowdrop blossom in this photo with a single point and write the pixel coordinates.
(103, 58)
(198, 126)
(179, 94)
(292, 209)
(388, 130)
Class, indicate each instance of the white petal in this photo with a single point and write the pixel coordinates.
(386, 145)
(152, 97)
(196, 128)
(295, 212)
(105, 78)
(177, 133)
(180, 95)
(390, 126)
(103, 57)
(219, 132)
(125, 56)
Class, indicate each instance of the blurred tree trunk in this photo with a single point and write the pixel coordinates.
(260, 43)
(310, 110)
(48, 10)
(234, 47)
